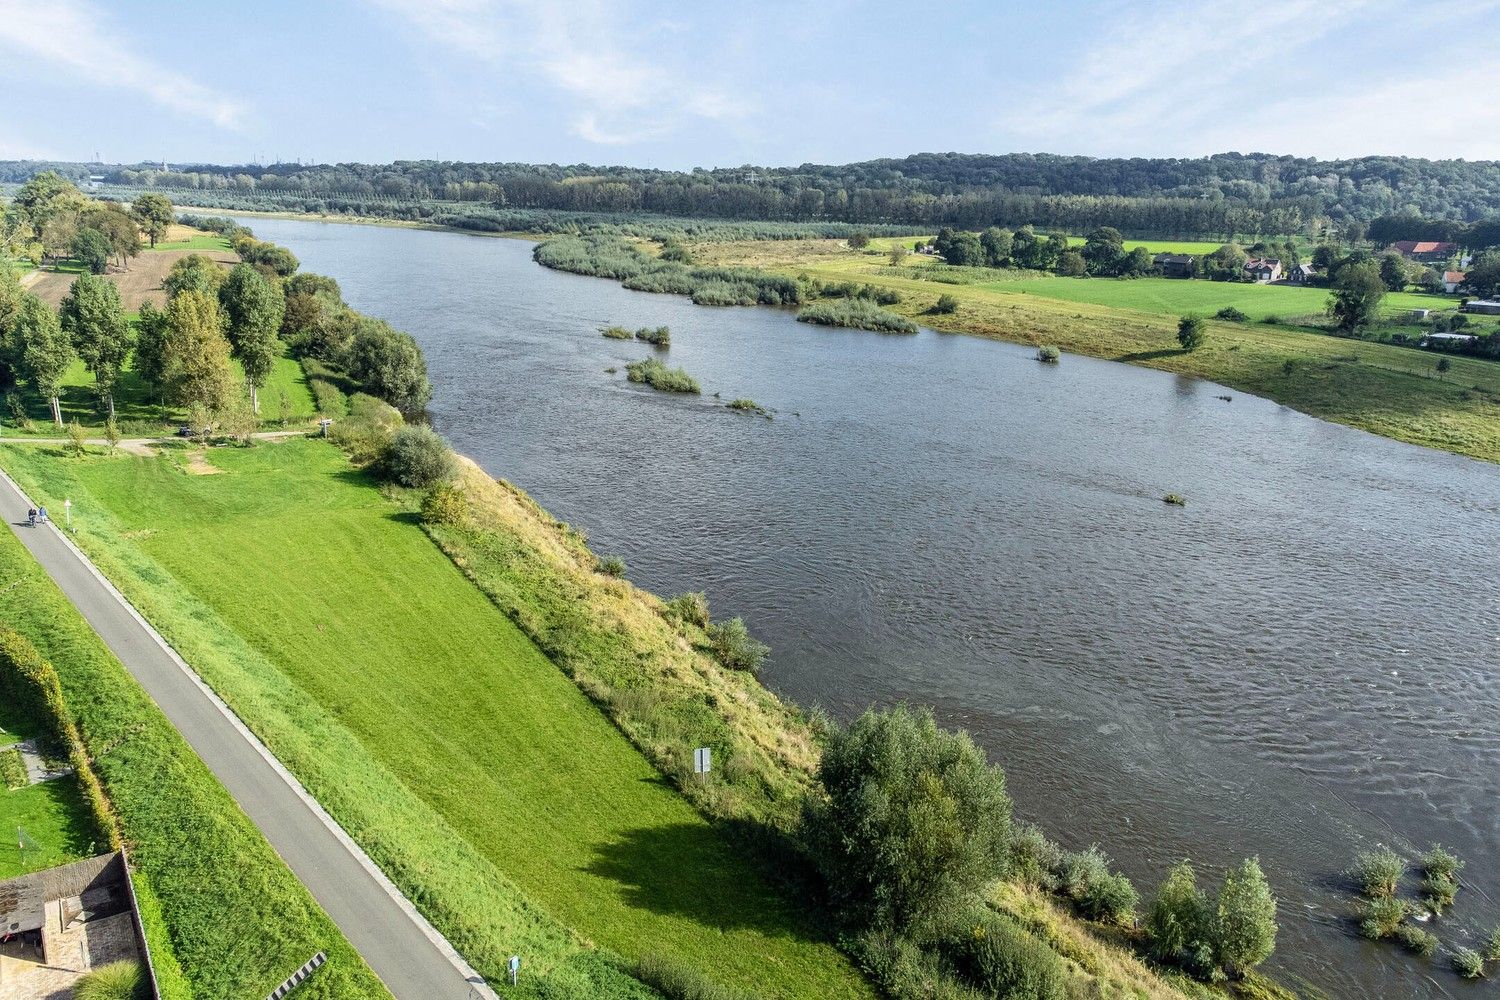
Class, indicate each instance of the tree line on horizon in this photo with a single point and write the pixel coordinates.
(1222, 194)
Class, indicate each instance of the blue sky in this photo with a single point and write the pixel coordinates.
(686, 84)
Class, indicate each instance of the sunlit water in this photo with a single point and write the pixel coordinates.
(1298, 664)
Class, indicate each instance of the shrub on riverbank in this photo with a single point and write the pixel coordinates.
(734, 647)
(658, 376)
(858, 314)
(690, 608)
(912, 821)
(418, 457)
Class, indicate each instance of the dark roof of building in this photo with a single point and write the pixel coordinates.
(1174, 258)
(1262, 264)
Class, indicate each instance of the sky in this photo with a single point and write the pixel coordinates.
(705, 84)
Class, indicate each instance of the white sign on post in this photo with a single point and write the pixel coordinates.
(702, 763)
(515, 968)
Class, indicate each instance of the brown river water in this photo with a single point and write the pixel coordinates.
(1298, 664)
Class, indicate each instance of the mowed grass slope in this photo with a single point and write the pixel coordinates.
(214, 895)
(302, 557)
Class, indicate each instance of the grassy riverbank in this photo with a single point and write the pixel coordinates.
(470, 767)
(423, 716)
(225, 917)
(1393, 391)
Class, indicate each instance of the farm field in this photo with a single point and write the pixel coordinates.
(140, 283)
(424, 680)
(1177, 296)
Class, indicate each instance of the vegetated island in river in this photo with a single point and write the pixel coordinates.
(670, 677)
(1449, 403)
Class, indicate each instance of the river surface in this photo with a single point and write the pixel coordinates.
(1298, 664)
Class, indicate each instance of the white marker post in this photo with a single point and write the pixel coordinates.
(702, 761)
(68, 512)
(515, 968)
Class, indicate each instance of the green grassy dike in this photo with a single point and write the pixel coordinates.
(224, 916)
(475, 772)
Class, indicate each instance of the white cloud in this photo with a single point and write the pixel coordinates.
(581, 49)
(1298, 77)
(1412, 116)
(74, 36)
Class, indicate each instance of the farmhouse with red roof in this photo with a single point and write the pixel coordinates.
(1427, 251)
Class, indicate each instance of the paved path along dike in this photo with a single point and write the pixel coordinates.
(413, 960)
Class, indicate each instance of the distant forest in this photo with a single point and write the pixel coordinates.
(1217, 196)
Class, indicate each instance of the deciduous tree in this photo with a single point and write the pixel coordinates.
(45, 351)
(388, 364)
(198, 353)
(194, 272)
(92, 249)
(94, 319)
(254, 309)
(154, 214)
(914, 823)
(1191, 332)
(1246, 919)
(1357, 293)
(152, 353)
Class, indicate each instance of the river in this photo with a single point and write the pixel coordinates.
(1298, 664)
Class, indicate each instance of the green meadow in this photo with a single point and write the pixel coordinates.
(488, 786)
(1177, 296)
(198, 241)
(53, 814)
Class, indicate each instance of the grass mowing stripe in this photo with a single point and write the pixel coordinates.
(465, 762)
(235, 917)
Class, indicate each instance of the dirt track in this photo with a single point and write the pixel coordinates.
(142, 283)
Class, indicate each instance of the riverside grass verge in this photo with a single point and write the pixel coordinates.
(224, 916)
(464, 761)
(1391, 391)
